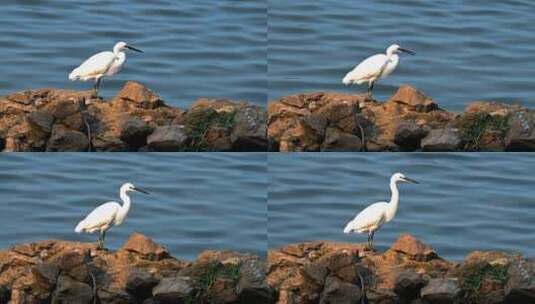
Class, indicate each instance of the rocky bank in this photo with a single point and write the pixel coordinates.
(137, 119)
(408, 272)
(314, 272)
(408, 121)
(139, 272)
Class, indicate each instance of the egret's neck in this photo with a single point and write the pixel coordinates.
(394, 201)
(393, 57)
(126, 205)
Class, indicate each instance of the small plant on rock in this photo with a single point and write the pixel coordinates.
(474, 126)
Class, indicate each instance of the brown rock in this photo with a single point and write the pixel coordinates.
(66, 140)
(299, 138)
(146, 247)
(140, 95)
(222, 291)
(41, 120)
(409, 245)
(415, 99)
(45, 275)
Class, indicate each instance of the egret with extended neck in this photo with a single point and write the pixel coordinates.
(107, 215)
(374, 216)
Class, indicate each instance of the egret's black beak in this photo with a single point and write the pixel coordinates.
(408, 180)
(140, 190)
(407, 51)
(133, 49)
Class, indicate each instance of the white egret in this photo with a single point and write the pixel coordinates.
(107, 215)
(376, 67)
(102, 64)
(374, 216)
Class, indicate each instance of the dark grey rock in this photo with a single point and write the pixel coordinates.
(168, 138)
(441, 140)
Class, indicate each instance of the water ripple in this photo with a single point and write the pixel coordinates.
(198, 201)
(42, 41)
(465, 50)
(465, 201)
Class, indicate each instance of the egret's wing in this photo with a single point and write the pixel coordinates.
(101, 216)
(370, 68)
(96, 65)
(373, 215)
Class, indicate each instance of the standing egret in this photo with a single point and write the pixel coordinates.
(376, 67)
(102, 64)
(374, 216)
(109, 214)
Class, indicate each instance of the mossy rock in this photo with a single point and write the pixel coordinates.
(474, 126)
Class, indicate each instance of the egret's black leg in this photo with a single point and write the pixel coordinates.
(99, 240)
(372, 234)
(370, 88)
(97, 86)
(103, 238)
(95, 90)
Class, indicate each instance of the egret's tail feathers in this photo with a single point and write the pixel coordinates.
(74, 75)
(348, 228)
(79, 228)
(347, 80)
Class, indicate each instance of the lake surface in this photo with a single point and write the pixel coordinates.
(192, 48)
(198, 201)
(466, 50)
(465, 202)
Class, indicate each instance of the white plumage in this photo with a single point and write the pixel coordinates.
(107, 215)
(374, 216)
(102, 64)
(376, 67)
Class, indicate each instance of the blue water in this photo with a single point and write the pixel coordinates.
(193, 49)
(466, 50)
(465, 202)
(198, 201)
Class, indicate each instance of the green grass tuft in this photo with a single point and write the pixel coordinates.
(198, 123)
(474, 125)
(206, 275)
(473, 276)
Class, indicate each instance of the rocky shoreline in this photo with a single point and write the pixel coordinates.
(408, 121)
(137, 119)
(139, 272)
(142, 271)
(409, 272)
